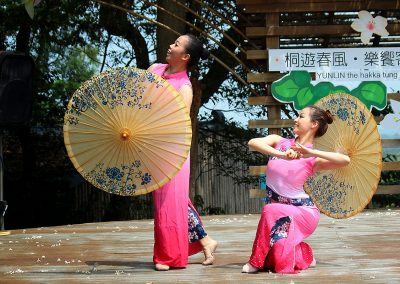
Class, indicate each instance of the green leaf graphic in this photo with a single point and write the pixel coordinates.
(322, 89)
(304, 98)
(301, 78)
(371, 93)
(339, 89)
(296, 88)
(285, 90)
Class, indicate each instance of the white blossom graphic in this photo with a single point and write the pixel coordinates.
(367, 25)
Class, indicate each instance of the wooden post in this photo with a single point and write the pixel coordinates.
(274, 112)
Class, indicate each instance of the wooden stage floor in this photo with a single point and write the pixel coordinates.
(361, 249)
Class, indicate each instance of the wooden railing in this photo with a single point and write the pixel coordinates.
(382, 189)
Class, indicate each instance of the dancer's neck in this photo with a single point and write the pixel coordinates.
(174, 69)
(305, 139)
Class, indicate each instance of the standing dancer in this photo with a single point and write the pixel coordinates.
(291, 216)
(178, 230)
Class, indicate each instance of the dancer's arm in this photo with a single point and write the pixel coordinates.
(187, 93)
(265, 145)
(325, 160)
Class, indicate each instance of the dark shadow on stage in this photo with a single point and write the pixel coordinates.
(95, 264)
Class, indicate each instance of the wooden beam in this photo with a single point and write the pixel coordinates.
(394, 96)
(263, 100)
(264, 77)
(386, 166)
(257, 54)
(393, 29)
(391, 166)
(391, 143)
(388, 189)
(271, 123)
(268, 77)
(261, 2)
(257, 170)
(317, 6)
(256, 193)
(274, 111)
(282, 123)
(381, 190)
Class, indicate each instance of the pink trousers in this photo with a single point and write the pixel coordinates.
(278, 245)
(171, 237)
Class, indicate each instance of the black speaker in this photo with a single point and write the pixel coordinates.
(16, 75)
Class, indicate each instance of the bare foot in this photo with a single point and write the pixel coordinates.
(248, 268)
(161, 267)
(208, 251)
(313, 263)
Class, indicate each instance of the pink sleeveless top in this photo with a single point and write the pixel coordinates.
(287, 177)
(177, 80)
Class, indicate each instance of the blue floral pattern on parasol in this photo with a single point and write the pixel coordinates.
(344, 192)
(129, 92)
(120, 88)
(118, 180)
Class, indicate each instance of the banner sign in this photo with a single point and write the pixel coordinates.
(341, 64)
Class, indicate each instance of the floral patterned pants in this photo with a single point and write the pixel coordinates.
(196, 228)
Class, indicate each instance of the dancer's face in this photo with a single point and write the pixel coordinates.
(303, 123)
(176, 53)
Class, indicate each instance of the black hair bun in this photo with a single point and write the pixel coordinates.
(329, 117)
(204, 53)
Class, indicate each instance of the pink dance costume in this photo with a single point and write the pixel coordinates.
(288, 219)
(173, 210)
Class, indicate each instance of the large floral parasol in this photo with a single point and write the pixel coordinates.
(344, 192)
(127, 131)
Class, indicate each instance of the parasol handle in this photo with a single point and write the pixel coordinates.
(125, 134)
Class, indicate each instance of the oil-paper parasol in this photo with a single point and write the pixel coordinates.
(127, 131)
(344, 192)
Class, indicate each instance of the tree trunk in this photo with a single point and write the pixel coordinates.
(116, 22)
(22, 40)
(166, 37)
(196, 104)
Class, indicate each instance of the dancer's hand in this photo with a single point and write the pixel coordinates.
(292, 154)
(304, 152)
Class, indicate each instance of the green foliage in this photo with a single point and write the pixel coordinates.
(230, 153)
(390, 177)
(61, 40)
(71, 40)
(74, 68)
(386, 201)
(198, 202)
(209, 210)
